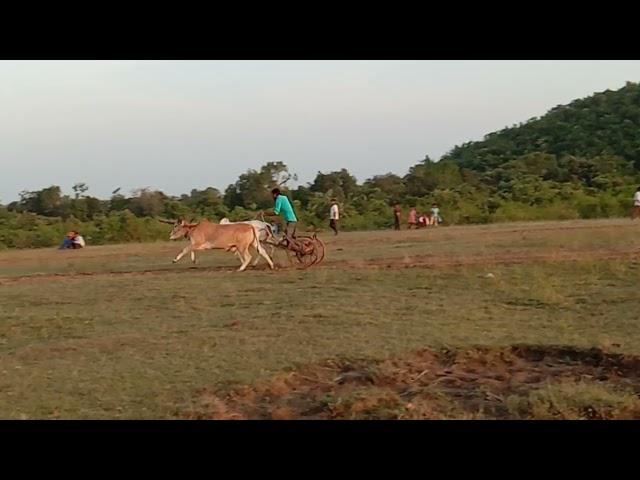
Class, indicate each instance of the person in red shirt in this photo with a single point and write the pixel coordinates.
(412, 218)
(396, 214)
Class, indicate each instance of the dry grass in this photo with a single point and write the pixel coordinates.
(142, 344)
(520, 382)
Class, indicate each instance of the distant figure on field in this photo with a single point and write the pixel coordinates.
(635, 213)
(78, 241)
(67, 242)
(72, 240)
(423, 221)
(396, 216)
(334, 216)
(412, 220)
(435, 215)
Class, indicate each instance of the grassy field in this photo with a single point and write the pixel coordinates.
(120, 332)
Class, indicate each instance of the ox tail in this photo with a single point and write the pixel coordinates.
(256, 238)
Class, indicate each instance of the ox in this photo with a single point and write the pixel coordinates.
(264, 231)
(237, 238)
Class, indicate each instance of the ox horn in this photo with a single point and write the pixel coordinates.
(171, 222)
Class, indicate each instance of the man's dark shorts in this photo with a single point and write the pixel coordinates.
(290, 229)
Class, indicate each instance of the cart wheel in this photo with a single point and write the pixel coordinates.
(305, 255)
(320, 250)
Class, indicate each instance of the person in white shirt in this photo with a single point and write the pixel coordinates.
(78, 241)
(435, 215)
(636, 205)
(334, 216)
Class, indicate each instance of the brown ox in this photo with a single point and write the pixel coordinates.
(206, 235)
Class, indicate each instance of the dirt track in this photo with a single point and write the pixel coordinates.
(414, 261)
(500, 244)
(434, 261)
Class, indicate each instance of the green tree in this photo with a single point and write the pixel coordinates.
(388, 187)
(341, 184)
(147, 203)
(253, 188)
(79, 189)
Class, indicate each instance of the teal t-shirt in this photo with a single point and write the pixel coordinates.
(283, 205)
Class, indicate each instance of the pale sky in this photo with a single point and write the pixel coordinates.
(178, 125)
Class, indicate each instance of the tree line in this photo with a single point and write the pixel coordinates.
(581, 160)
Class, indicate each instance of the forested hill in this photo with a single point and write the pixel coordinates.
(606, 123)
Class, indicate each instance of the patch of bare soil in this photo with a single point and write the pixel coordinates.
(514, 382)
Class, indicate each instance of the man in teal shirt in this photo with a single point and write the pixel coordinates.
(283, 207)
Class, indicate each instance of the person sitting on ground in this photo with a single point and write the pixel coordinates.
(423, 221)
(72, 240)
(412, 217)
(78, 241)
(435, 215)
(67, 242)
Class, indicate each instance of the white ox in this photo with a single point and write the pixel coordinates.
(264, 232)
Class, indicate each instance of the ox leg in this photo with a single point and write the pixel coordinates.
(187, 249)
(193, 256)
(255, 262)
(246, 259)
(235, 251)
(264, 254)
(257, 259)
